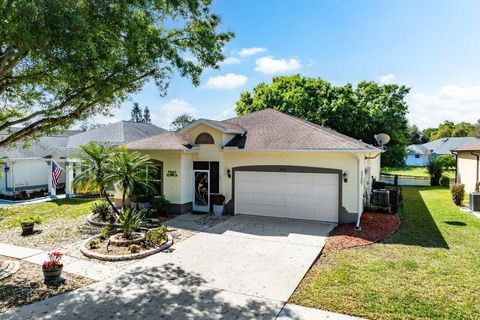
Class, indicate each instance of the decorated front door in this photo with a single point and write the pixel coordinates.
(201, 201)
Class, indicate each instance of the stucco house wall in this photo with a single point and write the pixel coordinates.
(26, 174)
(467, 170)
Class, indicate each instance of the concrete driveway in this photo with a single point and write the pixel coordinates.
(243, 268)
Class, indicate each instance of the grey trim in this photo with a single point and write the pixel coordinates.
(25, 188)
(181, 208)
(298, 169)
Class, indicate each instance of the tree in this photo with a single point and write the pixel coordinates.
(146, 115)
(130, 169)
(64, 61)
(136, 114)
(416, 137)
(447, 161)
(450, 129)
(92, 171)
(435, 170)
(182, 121)
(360, 112)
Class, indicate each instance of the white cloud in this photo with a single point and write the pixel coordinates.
(230, 60)
(251, 51)
(388, 78)
(169, 111)
(226, 114)
(228, 81)
(452, 102)
(271, 65)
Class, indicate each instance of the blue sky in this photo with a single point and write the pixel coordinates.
(431, 46)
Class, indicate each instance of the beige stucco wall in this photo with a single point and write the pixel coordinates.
(467, 170)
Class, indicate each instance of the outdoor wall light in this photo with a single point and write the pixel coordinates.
(345, 177)
(229, 174)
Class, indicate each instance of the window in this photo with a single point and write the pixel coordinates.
(417, 156)
(204, 138)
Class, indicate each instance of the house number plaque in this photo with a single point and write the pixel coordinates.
(172, 173)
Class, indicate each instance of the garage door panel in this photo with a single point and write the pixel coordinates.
(312, 196)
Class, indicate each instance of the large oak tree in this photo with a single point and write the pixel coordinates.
(360, 112)
(62, 61)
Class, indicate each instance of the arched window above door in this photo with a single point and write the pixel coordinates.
(204, 138)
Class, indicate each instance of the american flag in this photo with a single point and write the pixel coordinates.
(56, 171)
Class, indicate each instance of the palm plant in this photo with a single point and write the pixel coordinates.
(92, 173)
(130, 220)
(130, 169)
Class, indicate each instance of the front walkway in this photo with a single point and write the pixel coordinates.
(242, 268)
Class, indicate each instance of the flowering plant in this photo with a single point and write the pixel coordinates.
(54, 261)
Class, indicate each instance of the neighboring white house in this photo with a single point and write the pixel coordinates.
(29, 169)
(419, 155)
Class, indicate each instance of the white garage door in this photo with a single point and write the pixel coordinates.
(310, 196)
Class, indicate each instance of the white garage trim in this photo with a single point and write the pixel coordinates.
(307, 193)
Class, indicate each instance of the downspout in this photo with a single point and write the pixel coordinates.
(456, 165)
(359, 212)
(478, 162)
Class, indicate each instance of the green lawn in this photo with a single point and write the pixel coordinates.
(414, 172)
(429, 269)
(11, 217)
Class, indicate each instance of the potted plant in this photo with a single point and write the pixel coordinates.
(52, 268)
(475, 198)
(218, 201)
(28, 224)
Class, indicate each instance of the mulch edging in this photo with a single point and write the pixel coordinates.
(375, 227)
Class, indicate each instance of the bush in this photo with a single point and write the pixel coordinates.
(103, 210)
(134, 248)
(445, 181)
(130, 219)
(447, 161)
(156, 236)
(93, 244)
(458, 193)
(105, 233)
(435, 170)
(161, 204)
(31, 218)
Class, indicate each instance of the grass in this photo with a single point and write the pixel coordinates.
(10, 217)
(427, 270)
(414, 172)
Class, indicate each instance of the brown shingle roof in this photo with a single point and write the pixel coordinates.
(269, 130)
(469, 147)
(164, 141)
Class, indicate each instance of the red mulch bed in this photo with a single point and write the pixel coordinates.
(375, 227)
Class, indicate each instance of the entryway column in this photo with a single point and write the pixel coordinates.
(51, 190)
(69, 179)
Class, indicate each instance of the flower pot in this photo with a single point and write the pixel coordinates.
(51, 275)
(27, 228)
(218, 210)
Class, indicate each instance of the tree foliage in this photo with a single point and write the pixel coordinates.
(182, 121)
(360, 112)
(146, 115)
(416, 136)
(450, 129)
(136, 114)
(62, 61)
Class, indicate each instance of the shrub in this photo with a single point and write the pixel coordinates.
(156, 236)
(435, 170)
(218, 199)
(105, 233)
(31, 218)
(93, 244)
(134, 248)
(161, 204)
(130, 219)
(445, 181)
(103, 210)
(458, 193)
(447, 161)
(477, 187)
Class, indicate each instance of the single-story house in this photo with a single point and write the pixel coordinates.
(29, 169)
(420, 154)
(468, 165)
(265, 163)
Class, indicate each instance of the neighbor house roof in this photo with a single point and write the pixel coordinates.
(36, 149)
(273, 130)
(469, 147)
(169, 140)
(115, 133)
(446, 145)
(418, 149)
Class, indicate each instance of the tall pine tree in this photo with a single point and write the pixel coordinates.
(146, 115)
(136, 113)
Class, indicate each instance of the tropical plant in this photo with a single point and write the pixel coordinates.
(134, 248)
(445, 181)
(447, 161)
(458, 193)
(92, 171)
(156, 236)
(130, 169)
(92, 244)
(103, 210)
(130, 220)
(64, 61)
(435, 170)
(104, 233)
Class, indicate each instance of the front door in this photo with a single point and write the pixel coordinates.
(201, 185)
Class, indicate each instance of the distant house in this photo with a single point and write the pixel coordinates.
(421, 154)
(29, 169)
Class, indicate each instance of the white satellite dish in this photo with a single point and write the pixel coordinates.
(382, 139)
